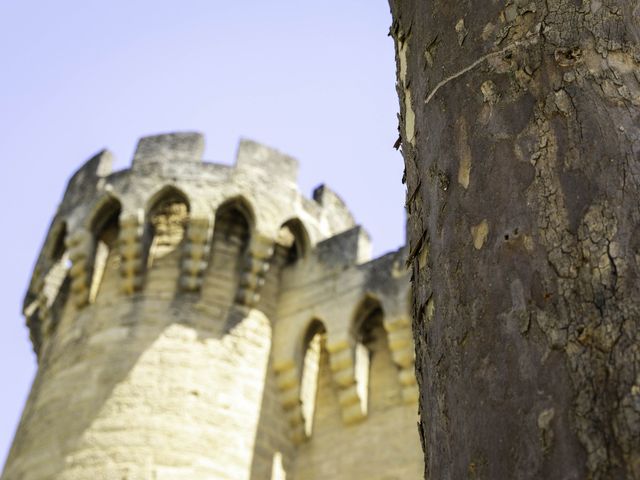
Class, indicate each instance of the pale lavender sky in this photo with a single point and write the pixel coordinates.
(313, 79)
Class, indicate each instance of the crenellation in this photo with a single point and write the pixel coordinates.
(348, 248)
(257, 159)
(219, 304)
(169, 148)
(336, 213)
(155, 153)
(86, 181)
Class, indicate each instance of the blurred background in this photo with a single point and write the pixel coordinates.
(315, 80)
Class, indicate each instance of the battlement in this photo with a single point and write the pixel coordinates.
(256, 158)
(229, 266)
(350, 247)
(169, 148)
(261, 187)
(177, 158)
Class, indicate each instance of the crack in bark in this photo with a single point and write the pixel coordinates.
(488, 56)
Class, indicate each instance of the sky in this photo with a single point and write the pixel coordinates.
(315, 80)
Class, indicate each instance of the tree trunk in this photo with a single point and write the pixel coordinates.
(520, 131)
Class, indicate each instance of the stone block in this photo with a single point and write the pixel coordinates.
(185, 147)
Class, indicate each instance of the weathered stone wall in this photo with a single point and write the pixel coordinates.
(170, 309)
(357, 432)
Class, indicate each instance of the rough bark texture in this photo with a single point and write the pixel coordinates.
(520, 132)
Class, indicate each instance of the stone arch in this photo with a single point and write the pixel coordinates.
(397, 329)
(234, 223)
(370, 337)
(55, 247)
(229, 253)
(104, 225)
(167, 216)
(102, 208)
(368, 307)
(292, 241)
(49, 288)
(164, 193)
(238, 205)
(56, 265)
(313, 345)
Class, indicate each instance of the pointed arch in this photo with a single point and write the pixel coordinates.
(101, 211)
(293, 241)
(55, 248)
(370, 336)
(168, 212)
(229, 252)
(104, 226)
(49, 285)
(56, 265)
(367, 314)
(237, 209)
(234, 222)
(313, 346)
(166, 193)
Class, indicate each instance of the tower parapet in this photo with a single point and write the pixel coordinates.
(196, 320)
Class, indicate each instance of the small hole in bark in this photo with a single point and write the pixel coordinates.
(506, 237)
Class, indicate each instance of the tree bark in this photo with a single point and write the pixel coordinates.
(520, 132)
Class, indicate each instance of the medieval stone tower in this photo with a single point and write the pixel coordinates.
(199, 321)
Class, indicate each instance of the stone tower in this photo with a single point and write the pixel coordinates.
(200, 321)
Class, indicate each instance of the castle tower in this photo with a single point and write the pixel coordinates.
(200, 321)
